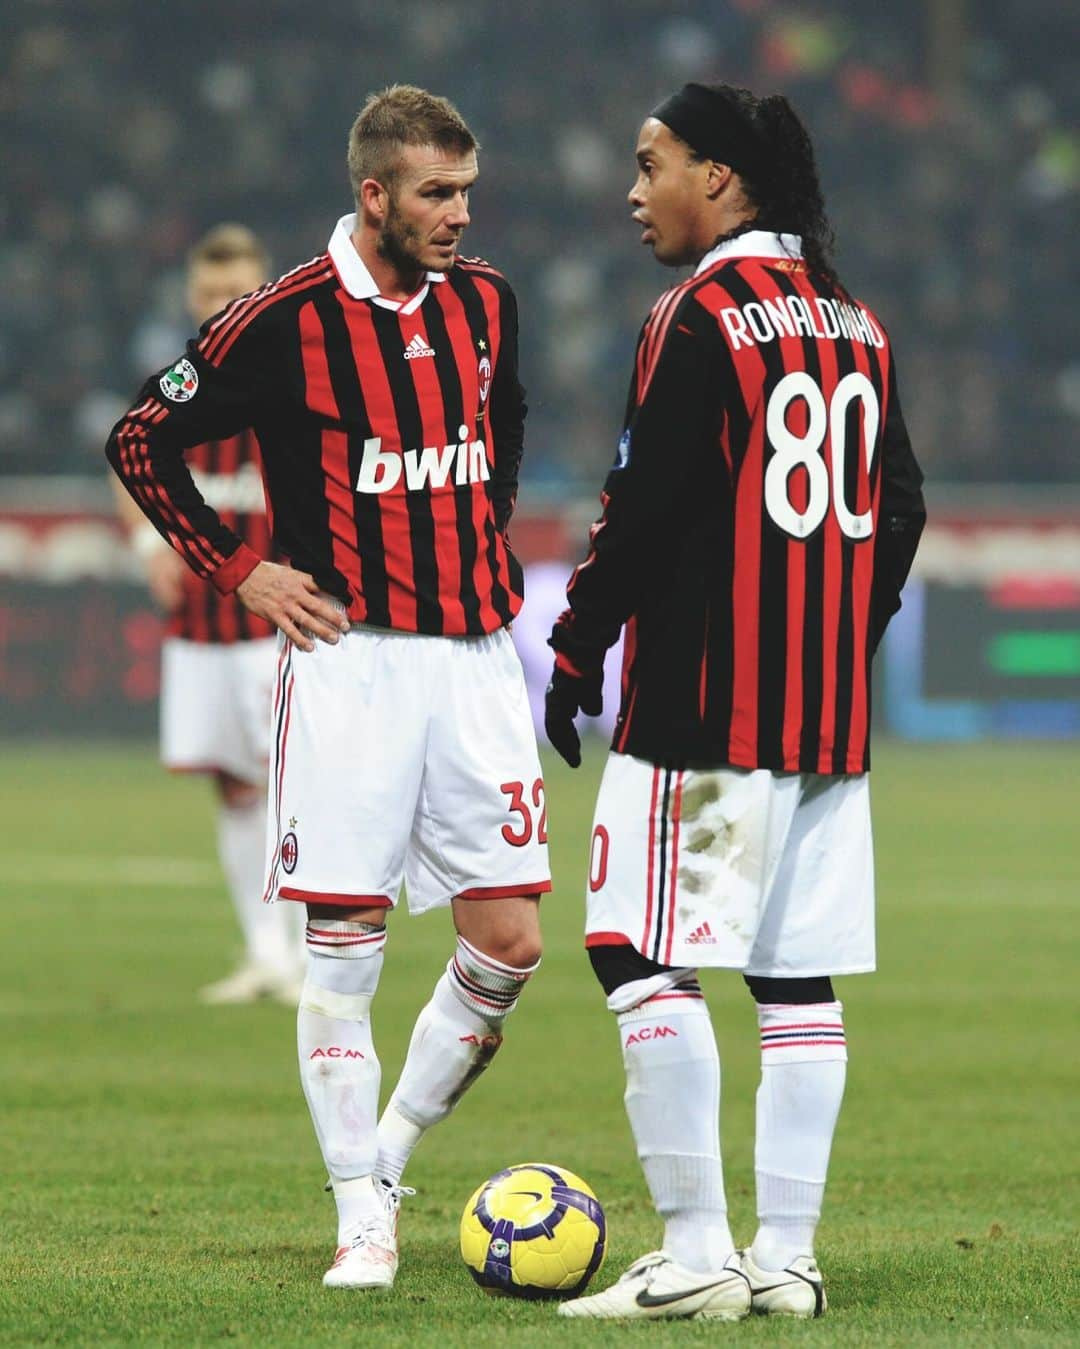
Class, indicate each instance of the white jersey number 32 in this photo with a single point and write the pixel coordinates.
(791, 451)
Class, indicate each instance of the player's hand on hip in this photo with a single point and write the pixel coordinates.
(165, 577)
(292, 601)
(567, 694)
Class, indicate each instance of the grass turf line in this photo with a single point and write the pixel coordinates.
(161, 1182)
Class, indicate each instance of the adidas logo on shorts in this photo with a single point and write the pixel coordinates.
(417, 348)
(701, 936)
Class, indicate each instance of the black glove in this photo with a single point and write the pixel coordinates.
(569, 692)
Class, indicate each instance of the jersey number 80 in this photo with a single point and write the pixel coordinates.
(791, 451)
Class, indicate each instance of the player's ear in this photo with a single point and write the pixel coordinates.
(373, 200)
(717, 178)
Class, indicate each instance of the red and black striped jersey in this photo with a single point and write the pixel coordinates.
(228, 476)
(391, 435)
(759, 521)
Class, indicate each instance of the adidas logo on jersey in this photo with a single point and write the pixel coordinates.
(701, 936)
(417, 348)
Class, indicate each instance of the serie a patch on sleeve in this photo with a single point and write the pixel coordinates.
(181, 383)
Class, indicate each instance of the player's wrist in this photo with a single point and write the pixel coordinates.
(235, 570)
(565, 666)
(575, 657)
(577, 664)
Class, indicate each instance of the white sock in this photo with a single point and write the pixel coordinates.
(673, 1102)
(273, 933)
(803, 1066)
(356, 1200)
(339, 1069)
(455, 1038)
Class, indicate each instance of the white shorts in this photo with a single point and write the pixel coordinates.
(398, 756)
(769, 873)
(215, 706)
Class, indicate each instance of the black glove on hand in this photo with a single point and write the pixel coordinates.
(568, 693)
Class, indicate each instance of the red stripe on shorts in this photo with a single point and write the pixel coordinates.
(607, 939)
(345, 901)
(676, 816)
(649, 873)
(526, 889)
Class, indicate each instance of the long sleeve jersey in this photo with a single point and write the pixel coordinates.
(391, 435)
(758, 524)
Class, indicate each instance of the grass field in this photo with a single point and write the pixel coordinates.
(161, 1181)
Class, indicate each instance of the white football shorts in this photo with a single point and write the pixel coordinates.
(768, 873)
(215, 706)
(400, 756)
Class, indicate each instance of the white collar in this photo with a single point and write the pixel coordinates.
(754, 244)
(355, 276)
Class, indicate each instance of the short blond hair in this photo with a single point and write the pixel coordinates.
(230, 243)
(397, 116)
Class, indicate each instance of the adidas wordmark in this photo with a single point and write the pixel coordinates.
(417, 347)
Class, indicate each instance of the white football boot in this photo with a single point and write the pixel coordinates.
(370, 1260)
(286, 989)
(656, 1287)
(252, 983)
(249, 983)
(797, 1290)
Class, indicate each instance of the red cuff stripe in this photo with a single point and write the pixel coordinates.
(234, 570)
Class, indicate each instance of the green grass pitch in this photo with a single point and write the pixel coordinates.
(161, 1182)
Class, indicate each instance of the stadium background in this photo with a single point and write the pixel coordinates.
(947, 138)
(949, 150)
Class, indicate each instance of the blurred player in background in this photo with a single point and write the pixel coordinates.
(381, 379)
(217, 661)
(758, 525)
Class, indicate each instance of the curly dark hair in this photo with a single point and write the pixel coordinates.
(785, 193)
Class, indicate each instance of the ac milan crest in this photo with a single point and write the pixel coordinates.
(483, 371)
(290, 852)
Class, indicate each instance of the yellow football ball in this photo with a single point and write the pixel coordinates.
(533, 1231)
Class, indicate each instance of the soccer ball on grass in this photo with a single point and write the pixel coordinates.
(533, 1231)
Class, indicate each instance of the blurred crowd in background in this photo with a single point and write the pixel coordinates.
(946, 133)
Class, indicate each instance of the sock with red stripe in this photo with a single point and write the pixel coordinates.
(455, 1038)
(673, 1103)
(803, 1067)
(339, 1068)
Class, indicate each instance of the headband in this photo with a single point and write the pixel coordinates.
(714, 127)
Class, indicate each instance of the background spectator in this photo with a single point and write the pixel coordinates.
(949, 153)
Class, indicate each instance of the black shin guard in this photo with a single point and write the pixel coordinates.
(793, 992)
(618, 965)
